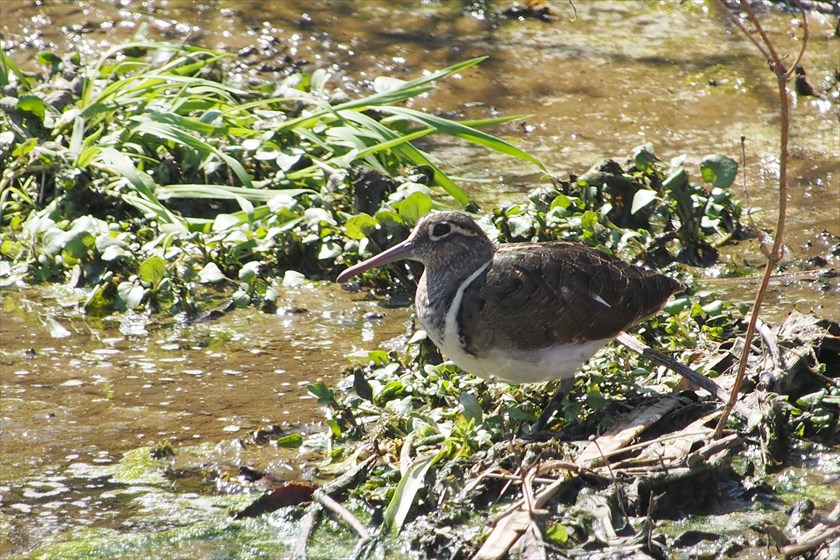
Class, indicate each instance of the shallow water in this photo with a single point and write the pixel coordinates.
(105, 386)
(596, 82)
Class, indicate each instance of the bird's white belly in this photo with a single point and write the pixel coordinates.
(519, 366)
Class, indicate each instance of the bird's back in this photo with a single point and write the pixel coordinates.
(536, 296)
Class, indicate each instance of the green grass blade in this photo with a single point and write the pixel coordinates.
(7, 65)
(467, 133)
(148, 125)
(204, 191)
(141, 182)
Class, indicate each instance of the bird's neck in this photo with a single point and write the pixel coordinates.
(440, 283)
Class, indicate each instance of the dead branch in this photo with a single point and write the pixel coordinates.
(344, 514)
(306, 526)
(783, 74)
(692, 376)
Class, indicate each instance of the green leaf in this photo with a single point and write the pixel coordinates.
(521, 225)
(224, 222)
(153, 271)
(360, 226)
(676, 305)
(7, 66)
(130, 294)
(561, 200)
(415, 206)
(642, 198)
(321, 392)
(241, 299)
(249, 271)
(113, 252)
(86, 157)
(53, 241)
(589, 220)
(25, 147)
(677, 181)
(557, 533)
(33, 105)
(226, 192)
(644, 157)
(720, 171)
(405, 494)
(391, 390)
(290, 440)
(293, 279)
(140, 181)
(210, 274)
(811, 400)
(470, 407)
(329, 250)
(463, 132)
(48, 58)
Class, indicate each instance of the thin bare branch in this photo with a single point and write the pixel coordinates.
(734, 19)
(804, 44)
(770, 54)
(692, 376)
(776, 254)
(343, 513)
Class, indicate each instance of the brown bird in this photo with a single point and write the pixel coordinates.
(520, 312)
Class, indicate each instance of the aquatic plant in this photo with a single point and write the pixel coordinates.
(148, 172)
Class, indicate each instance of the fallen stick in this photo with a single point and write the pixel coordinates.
(692, 376)
(344, 514)
(306, 526)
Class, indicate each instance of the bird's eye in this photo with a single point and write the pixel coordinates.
(441, 230)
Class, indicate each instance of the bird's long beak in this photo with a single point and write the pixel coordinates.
(395, 253)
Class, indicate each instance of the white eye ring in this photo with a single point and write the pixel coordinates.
(440, 231)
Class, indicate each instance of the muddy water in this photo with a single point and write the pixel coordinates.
(76, 386)
(79, 392)
(596, 82)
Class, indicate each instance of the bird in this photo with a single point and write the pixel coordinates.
(519, 312)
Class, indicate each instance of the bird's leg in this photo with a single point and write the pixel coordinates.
(553, 405)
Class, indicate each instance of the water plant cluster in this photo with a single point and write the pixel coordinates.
(454, 455)
(650, 212)
(148, 174)
(152, 178)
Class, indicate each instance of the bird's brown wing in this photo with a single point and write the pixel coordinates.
(538, 295)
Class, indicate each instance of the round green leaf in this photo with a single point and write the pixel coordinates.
(114, 252)
(130, 294)
(153, 271)
(54, 241)
(557, 533)
(415, 206)
(329, 250)
(210, 274)
(241, 299)
(720, 171)
(33, 105)
(521, 225)
(360, 226)
(249, 271)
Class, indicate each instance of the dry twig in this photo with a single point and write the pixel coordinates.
(783, 75)
(692, 376)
